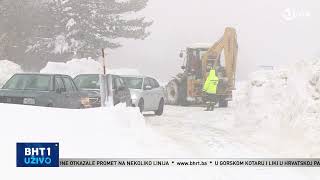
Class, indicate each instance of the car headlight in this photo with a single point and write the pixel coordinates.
(29, 101)
(85, 101)
(134, 97)
(94, 100)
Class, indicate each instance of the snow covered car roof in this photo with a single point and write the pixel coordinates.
(46, 74)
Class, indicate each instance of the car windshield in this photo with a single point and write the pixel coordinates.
(133, 82)
(29, 82)
(87, 81)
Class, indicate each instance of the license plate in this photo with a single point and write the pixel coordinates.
(29, 101)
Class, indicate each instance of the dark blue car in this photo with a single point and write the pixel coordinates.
(49, 90)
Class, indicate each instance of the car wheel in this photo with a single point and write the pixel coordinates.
(159, 111)
(141, 105)
(129, 103)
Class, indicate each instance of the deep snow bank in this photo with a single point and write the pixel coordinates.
(7, 69)
(84, 66)
(281, 109)
(113, 132)
(98, 132)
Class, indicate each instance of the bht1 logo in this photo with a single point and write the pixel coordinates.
(37, 154)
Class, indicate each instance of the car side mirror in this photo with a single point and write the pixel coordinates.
(147, 88)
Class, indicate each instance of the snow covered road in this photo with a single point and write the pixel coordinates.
(210, 135)
(206, 134)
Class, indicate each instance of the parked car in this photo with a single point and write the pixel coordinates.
(90, 83)
(50, 90)
(146, 93)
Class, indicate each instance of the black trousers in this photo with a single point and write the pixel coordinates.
(211, 100)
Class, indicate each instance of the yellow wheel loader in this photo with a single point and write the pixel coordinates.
(186, 88)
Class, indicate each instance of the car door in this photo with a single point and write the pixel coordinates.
(72, 94)
(118, 95)
(155, 93)
(147, 94)
(59, 100)
(125, 92)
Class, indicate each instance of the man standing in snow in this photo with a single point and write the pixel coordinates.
(210, 88)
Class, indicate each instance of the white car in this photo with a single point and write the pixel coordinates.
(146, 93)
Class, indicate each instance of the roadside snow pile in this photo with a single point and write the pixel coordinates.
(111, 132)
(75, 67)
(7, 69)
(281, 108)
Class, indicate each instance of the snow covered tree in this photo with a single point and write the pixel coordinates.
(56, 30)
(21, 25)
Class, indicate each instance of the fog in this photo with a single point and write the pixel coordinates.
(270, 32)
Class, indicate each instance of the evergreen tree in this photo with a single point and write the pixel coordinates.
(33, 32)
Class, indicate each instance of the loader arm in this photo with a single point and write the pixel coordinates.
(228, 43)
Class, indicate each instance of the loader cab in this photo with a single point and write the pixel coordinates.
(193, 63)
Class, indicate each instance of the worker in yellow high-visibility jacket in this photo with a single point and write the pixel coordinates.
(210, 88)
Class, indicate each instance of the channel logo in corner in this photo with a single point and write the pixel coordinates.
(37, 154)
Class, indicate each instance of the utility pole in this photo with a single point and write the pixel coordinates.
(103, 62)
(105, 84)
(104, 91)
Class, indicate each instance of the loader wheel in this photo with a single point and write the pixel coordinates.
(159, 112)
(223, 103)
(173, 92)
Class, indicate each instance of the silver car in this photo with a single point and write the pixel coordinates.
(146, 93)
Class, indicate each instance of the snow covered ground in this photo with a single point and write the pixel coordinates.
(280, 109)
(102, 132)
(214, 135)
(122, 132)
(276, 113)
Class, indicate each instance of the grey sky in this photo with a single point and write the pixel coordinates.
(270, 32)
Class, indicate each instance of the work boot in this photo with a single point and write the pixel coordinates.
(212, 106)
